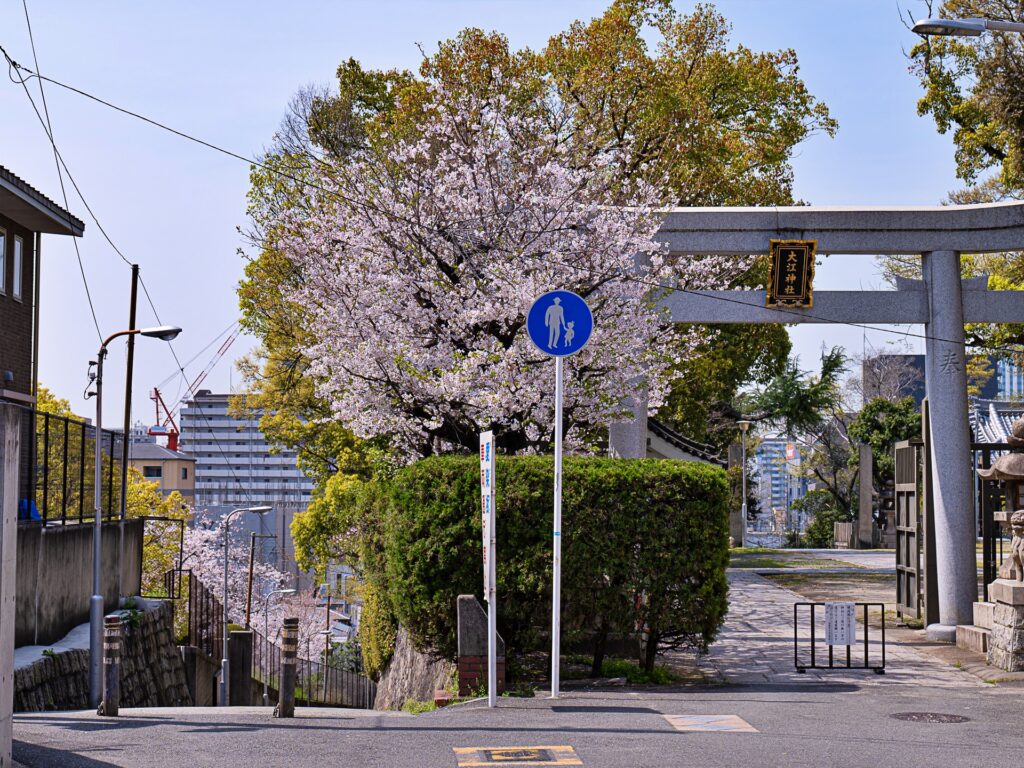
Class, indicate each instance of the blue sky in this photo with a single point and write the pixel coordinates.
(225, 71)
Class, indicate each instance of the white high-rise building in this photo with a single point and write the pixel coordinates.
(236, 468)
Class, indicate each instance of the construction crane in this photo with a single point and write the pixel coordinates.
(165, 425)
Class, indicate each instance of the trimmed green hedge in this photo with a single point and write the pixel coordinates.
(645, 543)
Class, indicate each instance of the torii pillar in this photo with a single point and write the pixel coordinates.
(941, 302)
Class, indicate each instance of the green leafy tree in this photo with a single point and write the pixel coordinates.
(880, 425)
(821, 506)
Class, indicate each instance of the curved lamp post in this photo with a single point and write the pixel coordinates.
(964, 27)
(259, 510)
(744, 425)
(164, 333)
(266, 639)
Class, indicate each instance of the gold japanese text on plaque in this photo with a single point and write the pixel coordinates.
(791, 277)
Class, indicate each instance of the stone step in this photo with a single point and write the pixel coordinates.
(983, 615)
(972, 638)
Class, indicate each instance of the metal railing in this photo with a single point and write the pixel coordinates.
(317, 684)
(56, 484)
(798, 661)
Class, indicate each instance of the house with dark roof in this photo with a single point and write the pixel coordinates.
(26, 215)
(173, 471)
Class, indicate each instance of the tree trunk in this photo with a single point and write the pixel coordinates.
(651, 651)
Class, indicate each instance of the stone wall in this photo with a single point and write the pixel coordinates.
(411, 675)
(152, 672)
(1006, 643)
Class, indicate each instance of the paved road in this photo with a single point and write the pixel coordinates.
(818, 719)
(811, 724)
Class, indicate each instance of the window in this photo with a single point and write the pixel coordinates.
(153, 472)
(3, 261)
(184, 473)
(19, 255)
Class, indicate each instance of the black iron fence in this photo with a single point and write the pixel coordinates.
(812, 658)
(57, 470)
(317, 684)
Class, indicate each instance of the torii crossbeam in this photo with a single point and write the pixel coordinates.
(941, 302)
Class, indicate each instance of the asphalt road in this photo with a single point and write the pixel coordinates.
(817, 724)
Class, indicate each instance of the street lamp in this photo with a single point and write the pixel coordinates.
(261, 510)
(744, 425)
(327, 646)
(266, 638)
(164, 333)
(964, 27)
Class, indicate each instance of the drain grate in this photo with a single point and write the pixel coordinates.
(930, 717)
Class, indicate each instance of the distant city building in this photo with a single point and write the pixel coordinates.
(777, 462)
(173, 470)
(235, 468)
(1009, 380)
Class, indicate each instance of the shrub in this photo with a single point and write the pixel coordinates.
(645, 542)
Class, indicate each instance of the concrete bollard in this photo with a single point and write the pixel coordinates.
(289, 650)
(111, 701)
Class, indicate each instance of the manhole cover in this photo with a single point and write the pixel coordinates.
(930, 717)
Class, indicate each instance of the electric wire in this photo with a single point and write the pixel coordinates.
(47, 127)
(797, 313)
(61, 164)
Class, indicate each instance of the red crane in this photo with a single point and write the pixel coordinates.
(167, 426)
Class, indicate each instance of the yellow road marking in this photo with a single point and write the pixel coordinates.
(479, 757)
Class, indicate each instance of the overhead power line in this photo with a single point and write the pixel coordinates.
(48, 128)
(797, 313)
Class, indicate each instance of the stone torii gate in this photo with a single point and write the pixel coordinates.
(941, 302)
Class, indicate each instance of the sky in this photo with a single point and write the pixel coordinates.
(225, 71)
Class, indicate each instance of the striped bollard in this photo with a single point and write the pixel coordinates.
(289, 650)
(111, 666)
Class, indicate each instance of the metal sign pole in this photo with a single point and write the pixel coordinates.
(488, 489)
(556, 589)
(560, 324)
(492, 614)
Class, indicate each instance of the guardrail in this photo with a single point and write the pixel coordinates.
(877, 668)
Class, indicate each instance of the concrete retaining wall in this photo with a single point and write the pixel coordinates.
(54, 576)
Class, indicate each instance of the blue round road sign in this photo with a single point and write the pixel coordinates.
(560, 323)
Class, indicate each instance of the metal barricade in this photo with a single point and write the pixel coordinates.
(877, 668)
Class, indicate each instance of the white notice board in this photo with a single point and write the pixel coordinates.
(840, 624)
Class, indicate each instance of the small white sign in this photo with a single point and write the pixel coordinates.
(840, 624)
(487, 488)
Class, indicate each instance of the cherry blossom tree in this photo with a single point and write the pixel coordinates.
(420, 256)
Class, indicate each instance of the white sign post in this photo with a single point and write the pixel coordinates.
(487, 490)
(840, 624)
(559, 324)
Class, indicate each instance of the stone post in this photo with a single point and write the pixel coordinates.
(946, 380)
(111, 666)
(289, 648)
(628, 439)
(10, 445)
(472, 647)
(865, 523)
(240, 662)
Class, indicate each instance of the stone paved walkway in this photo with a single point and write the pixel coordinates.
(756, 646)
